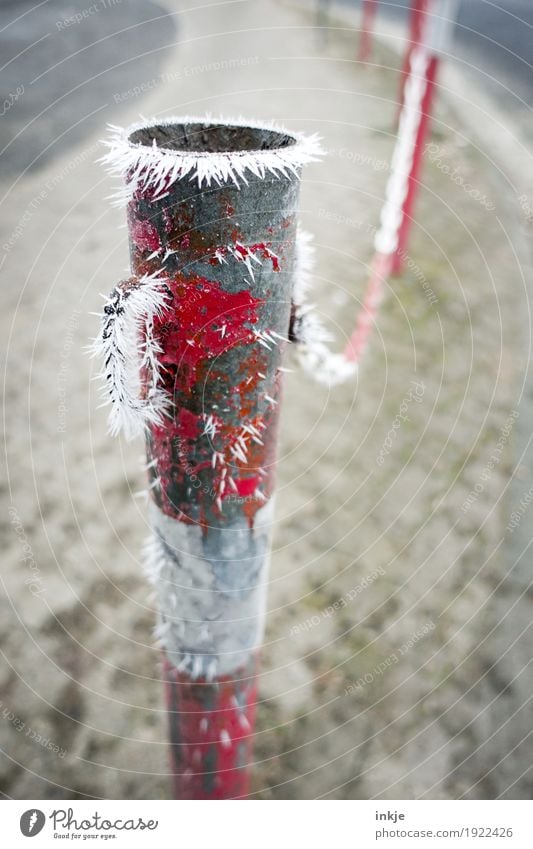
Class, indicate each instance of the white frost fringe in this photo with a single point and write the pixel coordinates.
(313, 354)
(158, 168)
(125, 345)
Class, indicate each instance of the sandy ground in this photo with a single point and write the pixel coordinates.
(396, 660)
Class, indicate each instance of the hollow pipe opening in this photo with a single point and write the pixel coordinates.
(211, 138)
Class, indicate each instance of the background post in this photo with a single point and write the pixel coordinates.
(212, 222)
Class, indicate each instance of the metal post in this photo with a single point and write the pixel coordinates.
(367, 28)
(416, 25)
(212, 224)
(435, 26)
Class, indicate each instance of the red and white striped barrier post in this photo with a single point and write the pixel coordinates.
(314, 353)
(368, 17)
(436, 21)
(192, 346)
(387, 238)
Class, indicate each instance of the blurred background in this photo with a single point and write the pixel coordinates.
(397, 659)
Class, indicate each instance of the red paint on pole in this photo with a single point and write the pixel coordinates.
(423, 129)
(211, 733)
(204, 323)
(367, 29)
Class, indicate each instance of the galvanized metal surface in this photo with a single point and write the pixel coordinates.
(225, 255)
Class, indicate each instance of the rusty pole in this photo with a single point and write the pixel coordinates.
(202, 326)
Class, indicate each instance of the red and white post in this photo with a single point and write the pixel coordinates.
(416, 25)
(432, 25)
